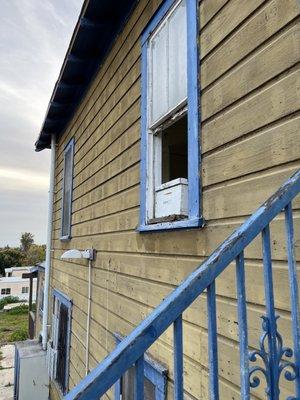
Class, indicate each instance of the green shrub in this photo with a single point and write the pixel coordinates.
(22, 309)
(8, 300)
(18, 335)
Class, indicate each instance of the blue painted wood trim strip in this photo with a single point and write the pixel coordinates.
(100, 379)
(155, 20)
(294, 292)
(183, 224)
(155, 372)
(273, 384)
(62, 298)
(195, 219)
(178, 359)
(117, 395)
(139, 379)
(194, 150)
(243, 329)
(212, 342)
(144, 152)
(68, 303)
(71, 144)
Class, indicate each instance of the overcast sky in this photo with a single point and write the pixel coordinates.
(34, 36)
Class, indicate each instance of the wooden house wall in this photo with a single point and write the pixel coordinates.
(250, 145)
(38, 315)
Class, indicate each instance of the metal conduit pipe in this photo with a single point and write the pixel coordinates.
(48, 244)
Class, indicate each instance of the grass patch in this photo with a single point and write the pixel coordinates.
(14, 325)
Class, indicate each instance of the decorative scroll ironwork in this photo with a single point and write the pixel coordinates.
(287, 368)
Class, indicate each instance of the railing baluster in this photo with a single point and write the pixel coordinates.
(212, 342)
(273, 372)
(294, 292)
(178, 359)
(243, 329)
(139, 379)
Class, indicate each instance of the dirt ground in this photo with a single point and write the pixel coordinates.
(7, 360)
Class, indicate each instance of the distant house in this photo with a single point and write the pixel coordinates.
(171, 122)
(16, 271)
(13, 284)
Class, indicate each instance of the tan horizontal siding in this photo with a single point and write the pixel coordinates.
(250, 145)
(253, 34)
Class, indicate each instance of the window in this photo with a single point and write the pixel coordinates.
(61, 334)
(155, 380)
(5, 291)
(67, 191)
(25, 289)
(9, 274)
(170, 161)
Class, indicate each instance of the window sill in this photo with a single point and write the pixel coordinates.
(165, 226)
(65, 238)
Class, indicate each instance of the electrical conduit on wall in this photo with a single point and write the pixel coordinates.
(48, 244)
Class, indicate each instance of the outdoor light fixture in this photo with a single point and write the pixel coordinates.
(88, 254)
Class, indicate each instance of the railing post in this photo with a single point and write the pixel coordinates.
(243, 328)
(294, 292)
(178, 359)
(139, 379)
(272, 367)
(212, 342)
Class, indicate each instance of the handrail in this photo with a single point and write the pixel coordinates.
(132, 348)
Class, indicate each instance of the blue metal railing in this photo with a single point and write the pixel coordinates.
(131, 350)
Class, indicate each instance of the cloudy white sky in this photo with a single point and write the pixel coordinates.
(34, 36)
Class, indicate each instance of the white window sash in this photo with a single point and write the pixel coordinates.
(154, 122)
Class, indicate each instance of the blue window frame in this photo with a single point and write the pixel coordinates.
(67, 191)
(154, 373)
(61, 339)
(194, 212)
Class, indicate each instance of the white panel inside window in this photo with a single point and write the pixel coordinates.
(177, 56)
(167, 65)
(159, 74)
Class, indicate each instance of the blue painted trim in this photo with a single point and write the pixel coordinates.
(243, 326)
(62, 298)
(294, 291)
(117, 389)
(178, 359)
(165, 226)
(153, 371)
(194, 142)
(69, 145)
(194, 219)
(139, 379)
(270, 311)
(144, 153)
(156, 19)
(101, 378)
(212, 342)
(68, 303)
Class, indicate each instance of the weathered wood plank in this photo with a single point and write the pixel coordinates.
(208, 9)
(166, 270)
(191, 243)
(275, 146)
(279, 55)
(237, 197)
(225, 22)
(252, 34)
(279, 99)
